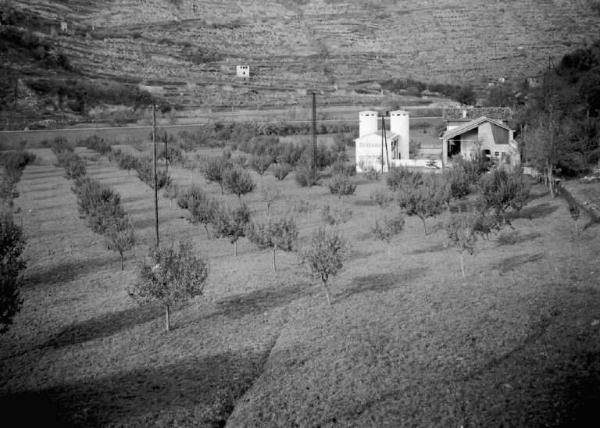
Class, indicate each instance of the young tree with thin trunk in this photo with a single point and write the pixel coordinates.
(120, 237)
(170, 192)
(170, 276)
(203, 211)
(280, 234)
(269, 195)
(231, 223)
(214, 168)
(325, 256)
(425, 200)
(462, 235)
(238, 181)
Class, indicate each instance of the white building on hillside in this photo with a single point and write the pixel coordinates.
(373, 142)
(242, 71)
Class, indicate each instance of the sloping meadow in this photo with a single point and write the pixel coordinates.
(407, 340)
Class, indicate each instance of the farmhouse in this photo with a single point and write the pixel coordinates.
(490, 136)
(242, 71)
(373, 143)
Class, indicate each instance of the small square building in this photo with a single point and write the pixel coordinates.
(243, 71)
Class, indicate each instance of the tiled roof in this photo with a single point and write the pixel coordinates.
(472, 125)
(497, 113)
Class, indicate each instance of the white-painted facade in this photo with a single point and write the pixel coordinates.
(242, 71)
(381, 149)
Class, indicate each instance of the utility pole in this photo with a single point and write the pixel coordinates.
(382, 131)
(166, 137)
(314, 131)
(155, 179)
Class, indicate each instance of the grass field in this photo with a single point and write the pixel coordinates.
(407, 341)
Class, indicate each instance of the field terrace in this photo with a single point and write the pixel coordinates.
(297, 45)
(407, 341)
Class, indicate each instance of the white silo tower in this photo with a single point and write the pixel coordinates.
(399, 124)
(367, 123)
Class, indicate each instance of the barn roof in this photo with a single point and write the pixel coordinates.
(472, 125)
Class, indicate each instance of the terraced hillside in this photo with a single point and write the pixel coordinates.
(187, 50)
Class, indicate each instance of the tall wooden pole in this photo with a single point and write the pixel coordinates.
(314, 131)
(155, 178)
(382, 131)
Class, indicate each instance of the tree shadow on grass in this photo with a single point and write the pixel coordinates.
(380, 282)
(363, 203)
(517, 238)
(104, 325)
(191, 392)
(260, 301)
(512, 262)
(69, 271)
(431, 249)
(536, 211)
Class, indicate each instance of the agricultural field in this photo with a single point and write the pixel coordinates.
(407, 341)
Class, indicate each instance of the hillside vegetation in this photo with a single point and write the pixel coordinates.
(187, 50)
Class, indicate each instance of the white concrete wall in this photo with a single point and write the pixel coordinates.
(367, 123)
(399, 124)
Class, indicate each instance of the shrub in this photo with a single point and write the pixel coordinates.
(238, 181)
(502, 192)
(145, 172)
(305, 176)
(342, 168)
(381, 197)
(97, 144)
(12, 244)
(281, 170)
(260, 163)
(474, 167)
(74, 165)
(459, 182)
(341, 185)
(386, 229)
(335, 216)
(170, 276)
(325, 256)
(99, 203)
(290, 154)
(59, 145)
(187, 197)
(372, 174)
(275, 234)
(125, 161)
(402, 176)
